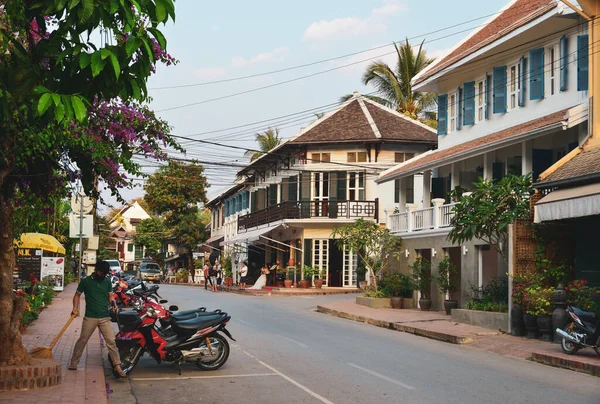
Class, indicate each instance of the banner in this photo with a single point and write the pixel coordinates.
(53, 270)
(29, 264)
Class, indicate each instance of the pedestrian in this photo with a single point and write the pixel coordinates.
(192, 273)
(213, 276)
(206, 276)
(244, 273)
(98, 294)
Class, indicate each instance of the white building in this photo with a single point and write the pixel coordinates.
(123, 228)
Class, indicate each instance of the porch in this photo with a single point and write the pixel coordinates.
(438, 216)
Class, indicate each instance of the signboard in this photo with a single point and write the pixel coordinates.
(93, 242)
(53, 270)
(89, 257)
(81, 203)
(29, 264)
(88, 226)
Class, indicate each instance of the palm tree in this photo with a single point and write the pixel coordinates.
(394, 86)
(266, 141)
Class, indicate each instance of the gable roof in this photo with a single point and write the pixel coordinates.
(581, 165)
(427, 160)
(513, 16)
(360, 119)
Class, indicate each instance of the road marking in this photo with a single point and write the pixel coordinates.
(295, 383)
(202, 377)
(250, 355)
(294, 341)
(243, 322)
(406, 386)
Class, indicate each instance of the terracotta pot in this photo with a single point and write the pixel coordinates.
(228, 281)
(449, 305)
(396, 302)
(318, 283)
(288, 283)
(304, 284)
(425, 304)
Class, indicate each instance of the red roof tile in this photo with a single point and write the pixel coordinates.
(515, 16)
(513, 131)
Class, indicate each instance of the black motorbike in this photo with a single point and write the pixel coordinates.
(583, 332)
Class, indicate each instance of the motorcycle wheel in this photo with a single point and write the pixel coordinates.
(569, 347)
(220, 348)
(129, 359)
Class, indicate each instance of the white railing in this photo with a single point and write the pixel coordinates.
(422, 219)
(398, 222)
(446, 214)
(436, 217)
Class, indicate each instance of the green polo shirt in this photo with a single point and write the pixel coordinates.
(96, 296)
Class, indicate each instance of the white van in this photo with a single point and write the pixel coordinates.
(115, 266)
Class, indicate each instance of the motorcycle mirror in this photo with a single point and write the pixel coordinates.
(163, 301)
(173, 308)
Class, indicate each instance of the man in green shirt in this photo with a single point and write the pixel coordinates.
(98, 293)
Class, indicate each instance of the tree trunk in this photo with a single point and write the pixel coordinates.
(12, 351)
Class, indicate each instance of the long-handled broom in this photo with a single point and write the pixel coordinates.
(46, 352)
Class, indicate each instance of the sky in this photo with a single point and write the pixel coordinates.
(216, 41)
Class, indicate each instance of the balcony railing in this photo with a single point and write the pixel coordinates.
(309, 210)
(437, 217)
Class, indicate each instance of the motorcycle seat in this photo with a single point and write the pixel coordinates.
(584, 315)
(190, 314)
(195, 324)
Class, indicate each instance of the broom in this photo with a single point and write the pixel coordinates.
(46, 352)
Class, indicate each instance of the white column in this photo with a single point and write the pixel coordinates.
(437, 212)
(527, 157)
(480, 267)
(426, 189)
(403, 191)
(453, 176)
(488, 161)
(410, 207)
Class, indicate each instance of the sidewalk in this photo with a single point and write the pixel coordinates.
(437, 325)
(279, 291)
(87, 384)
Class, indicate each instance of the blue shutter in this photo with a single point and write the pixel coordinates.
(522, 65)
(469, 115)
(226, 208)
(442, 114)
(582, 63)
(459, 110)
(536, 74)
(488, 85)
(499, 89)
(563, 63)
(247, 204)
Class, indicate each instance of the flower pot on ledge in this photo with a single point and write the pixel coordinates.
(425, 304)
(288, 283)
(318, 283)
(304, 284)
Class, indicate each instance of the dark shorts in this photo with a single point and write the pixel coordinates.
(243, 279)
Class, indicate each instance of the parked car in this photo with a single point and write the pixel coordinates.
(115, 266)
(150, 272)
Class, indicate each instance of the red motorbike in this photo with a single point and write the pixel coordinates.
(192, 336)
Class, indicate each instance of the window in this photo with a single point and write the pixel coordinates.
(402, 157)
(321, 254)
(356, 186)
(582, 63)
(452, 113)
(513, 86)
(130, 247)
(320, 157)
(315, 158)
(480, 101)
(357, 157)
(553, 64)
(351, 157)
(325, 157)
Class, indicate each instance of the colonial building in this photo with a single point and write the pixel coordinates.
(122, 230)
(292, 198)
(513, 99)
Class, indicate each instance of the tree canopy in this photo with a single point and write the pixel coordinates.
(266, 141)
(150, 234)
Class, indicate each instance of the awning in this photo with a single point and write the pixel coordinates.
(40, 241)
(213, 239)
(174, 257)
(569, 203)
(249, 236)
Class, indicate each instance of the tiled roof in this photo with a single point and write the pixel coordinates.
(374, 122)
(515, 16)
(584, 163)
(514, 131)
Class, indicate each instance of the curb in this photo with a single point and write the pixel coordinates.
(571, 364)
(249, 292)
(454, 339)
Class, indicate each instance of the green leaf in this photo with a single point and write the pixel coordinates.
(86, 10)
(84, 60)
(44, 103)
(115, 64)
(136, 89)
(159, 37)
(59, 112)
(133, 43)
(104, 53)
(66, 102)
(161, 11)
(97, 63)
(78, 108)
(170, 8)
(114, 6)
(40, 90)
(56, 99)
(73, 3)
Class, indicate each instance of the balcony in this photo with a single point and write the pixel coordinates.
(414, 220)
(310, 210)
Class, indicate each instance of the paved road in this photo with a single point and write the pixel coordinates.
(288, 353)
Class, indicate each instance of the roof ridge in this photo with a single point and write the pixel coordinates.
(399, 115)
(370, 119)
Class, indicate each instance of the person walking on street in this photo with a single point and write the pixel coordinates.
(243, 273)
(213, 276)
(206, 276)
(192, 273)
(98, 294)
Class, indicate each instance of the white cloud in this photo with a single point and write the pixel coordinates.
(350, 27)
(209, 73)
(358, 63)
(276, 55)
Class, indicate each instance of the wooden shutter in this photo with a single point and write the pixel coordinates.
(284, 189)
(307, 252)
(582, 63)
(254, 201)
(459, 109)
(442, 114)
(469, 115)
(341, 185)
(499, 89)
(305, 181)
(272, 194)
(437, 187)
(488, 85)
(536, 74)
(563, 63)
(497, 171)
(293, 188)
(523, 81)
(396, 191)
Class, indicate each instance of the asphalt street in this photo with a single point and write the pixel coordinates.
(288, 353)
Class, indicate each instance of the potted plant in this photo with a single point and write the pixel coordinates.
(406, 291)
(182, 276)
(540, 305)
(529, 317)
(448, 283)
(308, 273)
(319, 281)
(288, 281)
(227, 270)
(391, 284)
(517, 324)
(421, 273)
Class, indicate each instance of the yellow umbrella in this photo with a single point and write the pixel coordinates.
(41, 242)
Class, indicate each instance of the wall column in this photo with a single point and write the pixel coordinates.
(526, 157)
(426, 189)
(488, 161)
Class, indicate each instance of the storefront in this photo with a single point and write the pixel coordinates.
(39, 256)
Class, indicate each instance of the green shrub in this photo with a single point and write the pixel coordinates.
(492, 297)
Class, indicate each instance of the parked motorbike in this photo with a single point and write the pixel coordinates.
(192, 336)
(583, 332)
(125, 292)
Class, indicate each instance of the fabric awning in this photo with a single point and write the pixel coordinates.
(214, 239)
(41, 242)
(568, 203)
(249, 236)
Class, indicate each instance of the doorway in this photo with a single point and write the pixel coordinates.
(454, 254)
(350, 267)
(321, 194)
(336, 264)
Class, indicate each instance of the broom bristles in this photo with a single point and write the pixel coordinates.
(41, 353)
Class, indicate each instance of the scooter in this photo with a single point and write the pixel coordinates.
(583, 332)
